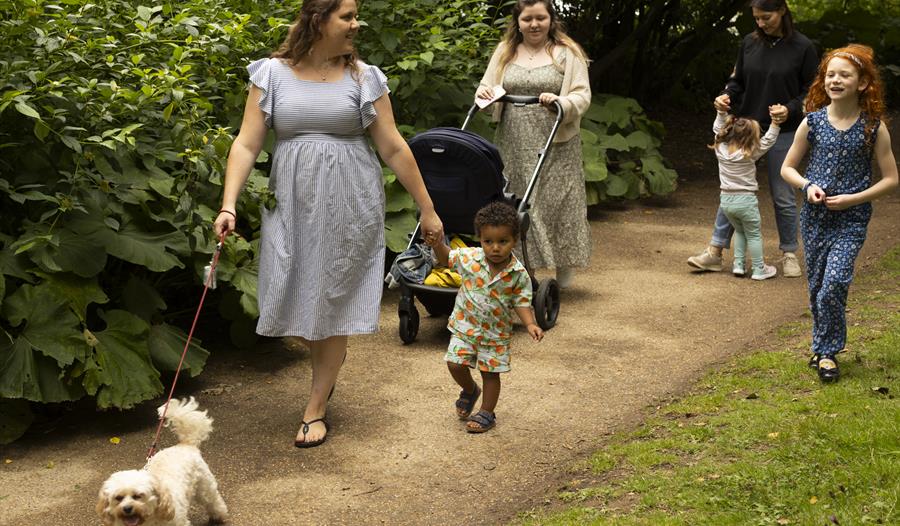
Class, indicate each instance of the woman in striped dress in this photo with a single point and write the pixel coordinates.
(322, 246)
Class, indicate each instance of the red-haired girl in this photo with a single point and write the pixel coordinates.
(842, 131)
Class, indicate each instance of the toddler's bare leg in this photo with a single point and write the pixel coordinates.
(491, 391)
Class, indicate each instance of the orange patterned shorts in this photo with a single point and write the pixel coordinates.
(486, 358)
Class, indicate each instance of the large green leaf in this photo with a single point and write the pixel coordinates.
(616, 185)
(15, 417)
(78, 293)
(397, 199)
(27, 374)
(166, 346)
(142, 299)
(148, 249)
(120, 373)
(71, 252)
(397, 227)
(46, 322)
(662, 180)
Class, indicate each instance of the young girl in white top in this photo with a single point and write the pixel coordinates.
(738, 146)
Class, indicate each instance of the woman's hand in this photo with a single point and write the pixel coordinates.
(723, 103)
(778, 112)
(547, 98)
(776, 115)
(224, 223)
(484, 92)
(432, 228)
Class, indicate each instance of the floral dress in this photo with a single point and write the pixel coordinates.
(840, 163)
(559, 235)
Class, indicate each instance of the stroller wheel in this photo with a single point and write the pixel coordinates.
(546, 303)
(409, 325)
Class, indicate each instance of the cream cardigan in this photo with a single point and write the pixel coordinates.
(575, 95)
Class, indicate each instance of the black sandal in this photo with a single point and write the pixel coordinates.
(828, 369)
(481, 421)
(314, 443)
(814, 361)
(466, 402)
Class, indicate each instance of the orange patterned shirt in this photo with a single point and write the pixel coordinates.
(484, 309)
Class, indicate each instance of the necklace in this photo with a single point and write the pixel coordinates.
(774, 42)
(323, 72)
(529, 53)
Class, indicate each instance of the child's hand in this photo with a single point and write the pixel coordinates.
(537, 334)
(815, 195)
(839, 202)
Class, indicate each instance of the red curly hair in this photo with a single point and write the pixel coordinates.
(871, 98)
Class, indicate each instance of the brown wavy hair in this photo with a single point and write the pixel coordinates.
(871, 98)
(738, 133)
(307, 29)
(555, 37)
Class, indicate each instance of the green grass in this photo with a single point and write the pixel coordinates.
(761, 441)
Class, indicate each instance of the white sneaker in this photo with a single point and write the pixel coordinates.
(767, 272)
(791, 266)
(706, 261)
(564, 276)
(737, 268)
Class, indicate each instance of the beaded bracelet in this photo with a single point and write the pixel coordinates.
(229, 212)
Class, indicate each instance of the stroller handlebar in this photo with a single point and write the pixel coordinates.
(517, 100)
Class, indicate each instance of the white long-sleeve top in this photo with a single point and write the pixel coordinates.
(737, 173)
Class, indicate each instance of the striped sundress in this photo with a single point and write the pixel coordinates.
(322, 246)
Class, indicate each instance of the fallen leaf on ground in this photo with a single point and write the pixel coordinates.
(773, 435)
(8, 461)
(115, 440)
(782, 520)
(813, 499)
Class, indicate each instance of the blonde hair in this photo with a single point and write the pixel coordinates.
(555, 37)
(738, 133)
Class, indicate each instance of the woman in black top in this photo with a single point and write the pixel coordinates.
(774, 68)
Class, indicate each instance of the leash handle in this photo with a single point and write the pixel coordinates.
(209, 282)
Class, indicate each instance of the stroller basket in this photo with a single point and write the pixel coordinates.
(463, 172)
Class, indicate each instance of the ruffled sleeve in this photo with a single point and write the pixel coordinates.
(373, 86)
(260, 76)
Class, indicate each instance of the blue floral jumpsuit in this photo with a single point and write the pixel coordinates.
(840, 163)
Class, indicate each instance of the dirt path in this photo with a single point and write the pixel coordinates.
(636, 327)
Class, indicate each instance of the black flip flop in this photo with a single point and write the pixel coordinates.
(314, 443)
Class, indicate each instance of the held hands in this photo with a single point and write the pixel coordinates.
(723, 103)
(778, 113)
(432, 228)
(433, 239)
(537, 334)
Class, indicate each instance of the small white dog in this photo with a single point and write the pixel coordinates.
(161, 494)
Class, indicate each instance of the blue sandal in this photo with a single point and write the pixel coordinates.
(481, 421)
(466, 402)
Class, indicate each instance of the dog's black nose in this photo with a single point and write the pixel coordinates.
(128, 509)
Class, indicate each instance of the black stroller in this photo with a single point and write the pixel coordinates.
(463, 172)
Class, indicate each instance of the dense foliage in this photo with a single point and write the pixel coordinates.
(115, 121)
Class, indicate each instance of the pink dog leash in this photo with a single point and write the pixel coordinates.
(209, 282)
